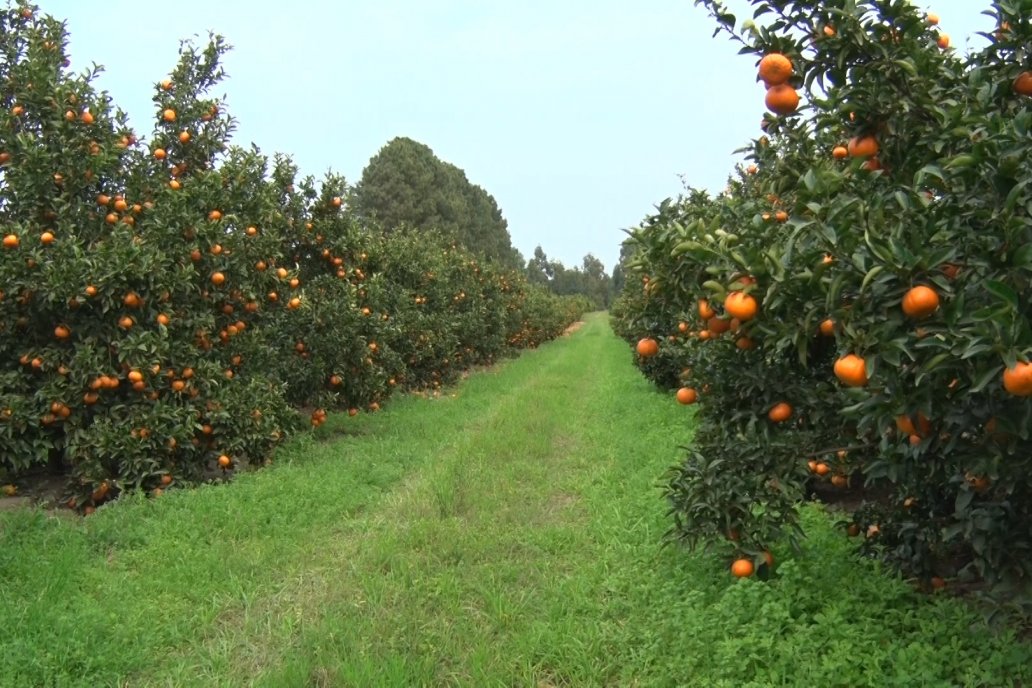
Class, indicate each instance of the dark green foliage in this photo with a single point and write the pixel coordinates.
(405, 184)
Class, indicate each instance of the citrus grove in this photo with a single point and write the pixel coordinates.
(169, 305)
(851, 315)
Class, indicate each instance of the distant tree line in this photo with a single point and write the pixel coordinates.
(589, 279)
(406, 186)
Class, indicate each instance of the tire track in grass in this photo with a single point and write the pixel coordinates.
(495, 490)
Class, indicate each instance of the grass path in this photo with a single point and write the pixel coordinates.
(505, 535)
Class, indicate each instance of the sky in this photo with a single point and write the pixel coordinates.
(578, 116)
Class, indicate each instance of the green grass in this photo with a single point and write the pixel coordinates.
(507, 534)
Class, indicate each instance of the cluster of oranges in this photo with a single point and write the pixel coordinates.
(775, 71)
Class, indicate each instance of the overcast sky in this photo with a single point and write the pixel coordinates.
(576, 115)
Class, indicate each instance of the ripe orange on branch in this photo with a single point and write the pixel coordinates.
(742, 568)
(851, 370)
(1018, 379)
(862, 147)
(1023, 84)
(741, 305)
(687, 395)
(705, 310)
(775, 69)
(780, 412)
(782, 99)
(647, 347)
(920, 302)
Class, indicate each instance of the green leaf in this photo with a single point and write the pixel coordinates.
(1022, 257)
(1003, 292)
(1012, 197)
(871, 274)
(810, 180)
(963, 501)
(986, 377)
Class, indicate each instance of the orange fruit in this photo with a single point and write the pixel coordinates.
(932, 18)
(217, 278)
(741, 305)
(943, 41)
(781, 216)
(839, 152)
(215, 215)
(686, 395)
(718, 325)
(1023, 84)
(184, 137)
(905, 424)
(46, 238)
(742, 568)
(839, 480)
(782, 99)
(775, 69)
(828, 327)
(851, 370)
(1018, 379)
(705, 311)
(920, 302)
(647, 347)
(62, 332)
(224, 461)
(294, 303)
(862, 147)
(11, 241)
(780, 412)
(822, 468)
(169, 115)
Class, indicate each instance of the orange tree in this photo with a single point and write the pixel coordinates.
(165, 306)
(121, 265)
(872, 264)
